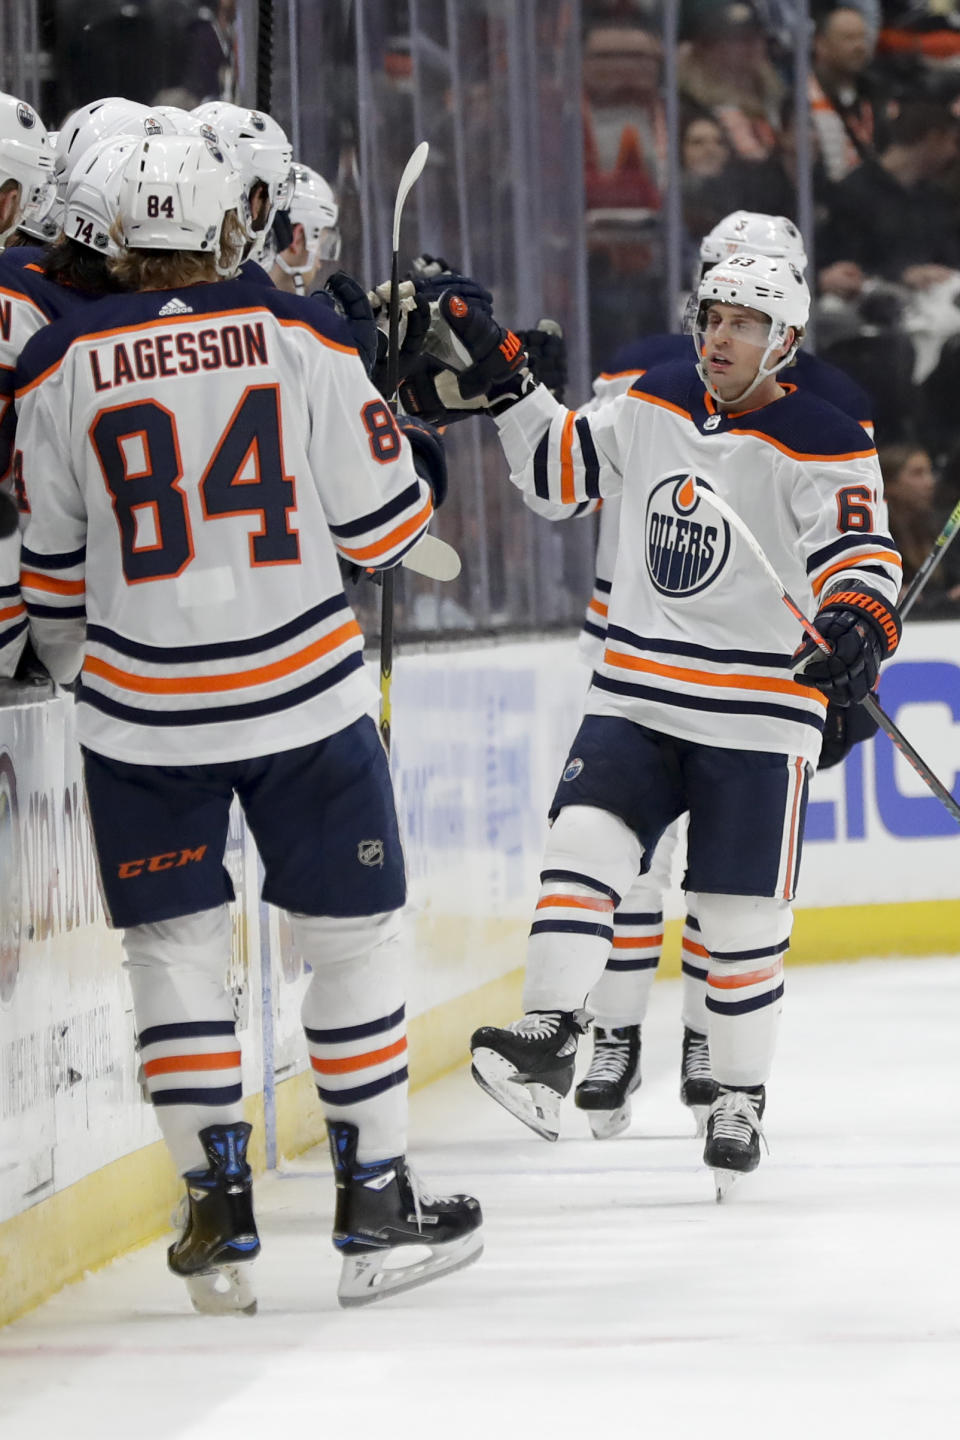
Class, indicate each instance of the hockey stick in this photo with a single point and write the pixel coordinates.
(940, 547)
(869, 702)
(265, 55)
(411, 173)
(432, 558)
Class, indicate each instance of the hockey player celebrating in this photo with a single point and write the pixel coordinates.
(195, 456)
(701, 705)
(620, 999)
(26, 190)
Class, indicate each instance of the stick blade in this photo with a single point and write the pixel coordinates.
(411, 174)
(433, 558)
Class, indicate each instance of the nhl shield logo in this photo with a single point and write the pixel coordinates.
(370, 853)
(686, 544)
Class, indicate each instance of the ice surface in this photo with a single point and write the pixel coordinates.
(615, 1298)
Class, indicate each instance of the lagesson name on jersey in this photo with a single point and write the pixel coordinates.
(686, 548)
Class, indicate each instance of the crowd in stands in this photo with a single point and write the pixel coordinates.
(883, 117)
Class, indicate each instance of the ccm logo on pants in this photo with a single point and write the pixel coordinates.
(170, 860)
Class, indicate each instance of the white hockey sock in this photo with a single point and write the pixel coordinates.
(185, 1027)
(591, 859)
(355, 1022)
(694, 963)
(621, 995)
(747, 937)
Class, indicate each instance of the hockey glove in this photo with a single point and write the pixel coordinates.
(844, 728)
(863, 630)
(432, 276)
(429, 459)
(349, 299)
(547, 351)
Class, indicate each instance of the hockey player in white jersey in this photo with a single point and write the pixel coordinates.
(263, 155)
(705, 702)
(26, 190)
(195, 456)
(313, 213)
(620, 1000)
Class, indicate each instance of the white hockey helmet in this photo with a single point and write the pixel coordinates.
(112, 115)
(175, 193)
(91, 207)
(261, 152)
(773, 286)
(26, 158)
(757, 233)
(313, 206)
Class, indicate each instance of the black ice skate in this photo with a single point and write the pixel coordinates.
(384, 1222)
(614, 1074)
(219, 1231)
(734, 1133)
(528, 1067)
(698, 1089)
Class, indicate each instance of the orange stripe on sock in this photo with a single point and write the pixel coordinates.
(577, 902)
(172, 1064)
(30, 580)
(690, 947)
(636, 942)
(739, 982)
(359, 1062)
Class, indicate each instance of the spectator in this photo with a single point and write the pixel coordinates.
(210, 70)
(727, 72)
(910, 489)
(713, 179)
(840, 97)
(889, 217)
(624, 122)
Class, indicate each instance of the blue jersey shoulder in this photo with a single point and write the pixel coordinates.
(678, 383)
(649, 351)
(819, 377)
(50, 298)
(807, 425)
(253, 274)
(129, 311)
(16, 257)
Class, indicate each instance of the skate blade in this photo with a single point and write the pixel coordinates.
(536, 1105)
(224, 1291)
(700, 1115)
(607, 1123)
(364, 1279)
(723, 1182)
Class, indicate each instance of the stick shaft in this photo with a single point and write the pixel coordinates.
(940, 547)
(411, 172)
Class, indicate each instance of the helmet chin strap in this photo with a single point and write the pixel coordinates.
(763, 373)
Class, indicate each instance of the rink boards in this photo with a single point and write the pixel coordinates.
(479, 736)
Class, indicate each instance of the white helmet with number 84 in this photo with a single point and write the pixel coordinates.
(175, 193)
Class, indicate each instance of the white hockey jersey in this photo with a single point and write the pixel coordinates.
(192, 462)
(698, 643)
(28, 302)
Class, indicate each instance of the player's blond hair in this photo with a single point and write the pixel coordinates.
(174, 269)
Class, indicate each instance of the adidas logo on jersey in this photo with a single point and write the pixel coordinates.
(175, 307)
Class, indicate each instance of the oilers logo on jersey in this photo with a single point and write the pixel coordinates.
(684, 554)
